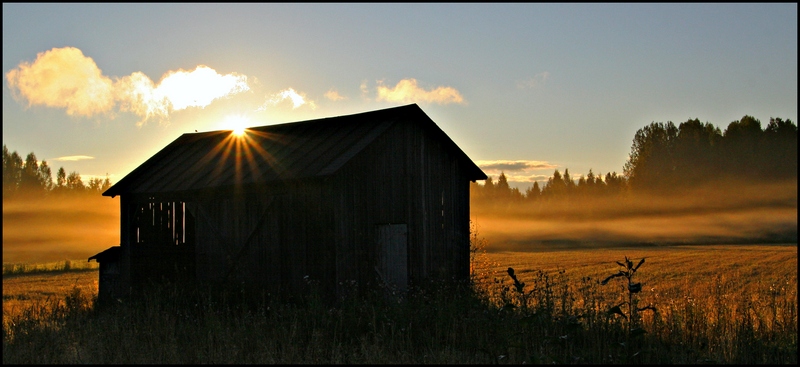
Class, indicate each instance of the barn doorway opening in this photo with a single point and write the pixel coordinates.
(393, 255)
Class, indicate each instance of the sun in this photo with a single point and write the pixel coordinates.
(237, 124)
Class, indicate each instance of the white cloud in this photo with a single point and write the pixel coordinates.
(297, 99)
(72, 158)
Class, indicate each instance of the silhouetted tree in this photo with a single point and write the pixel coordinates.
(97, 185)
(568, 183)
(502, 190)
(741, 143)
(780, 138)
(696, 155)
(74, 183)
(650, 164)
(12, 172)
(61, 181)
(488, 189)
(555, 186)
(533, 192)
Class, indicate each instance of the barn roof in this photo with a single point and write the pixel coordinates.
(297, 150)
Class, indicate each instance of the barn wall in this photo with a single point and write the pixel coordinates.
(406, 176)
(277, 238)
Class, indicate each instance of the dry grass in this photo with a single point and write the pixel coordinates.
(723, 304)
(27, 290)
(719, 303)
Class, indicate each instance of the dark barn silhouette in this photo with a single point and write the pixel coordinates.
(370, 198)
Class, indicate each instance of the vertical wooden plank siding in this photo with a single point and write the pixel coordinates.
(404, 177)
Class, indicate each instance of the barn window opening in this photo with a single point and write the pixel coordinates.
(161, 222)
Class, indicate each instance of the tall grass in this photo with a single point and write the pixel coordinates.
(519, 315)
(56, 266)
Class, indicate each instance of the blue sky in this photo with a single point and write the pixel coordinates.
(99, 88)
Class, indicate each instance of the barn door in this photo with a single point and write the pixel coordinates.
(393, 255)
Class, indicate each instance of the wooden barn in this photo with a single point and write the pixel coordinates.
(374, 197)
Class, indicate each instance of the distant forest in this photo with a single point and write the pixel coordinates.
(666, 159)
(31, 178)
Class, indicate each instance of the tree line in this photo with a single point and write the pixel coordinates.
(666, 158)
(558, 186)
(32, 178)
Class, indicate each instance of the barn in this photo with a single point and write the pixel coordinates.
(379, 197)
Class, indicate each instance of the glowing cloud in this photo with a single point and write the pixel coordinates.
(65, 78)
(176, 91)
(297, 99)
(198, 88)
(334, 95)
(71, 158)
(407, 91)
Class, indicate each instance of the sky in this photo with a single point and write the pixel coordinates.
(523, 89)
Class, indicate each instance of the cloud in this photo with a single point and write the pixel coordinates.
(65, 78)
(72, 158)
(334, 95)
(297, 99)
(407, 91)
(535, 81)
(364, 90)
(506, 165)
(177, 90)
(518, 170)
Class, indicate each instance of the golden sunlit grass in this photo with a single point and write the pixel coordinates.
(21, 292)
(716, 301)
(57, 266)
(669, 271)
(714, 304)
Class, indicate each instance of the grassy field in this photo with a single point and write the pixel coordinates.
(713, 304)
(28, 286)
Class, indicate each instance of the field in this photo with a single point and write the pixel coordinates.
(714, 304)
(26, 290)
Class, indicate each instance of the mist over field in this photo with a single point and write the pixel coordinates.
(46, 229)
(720, 213)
